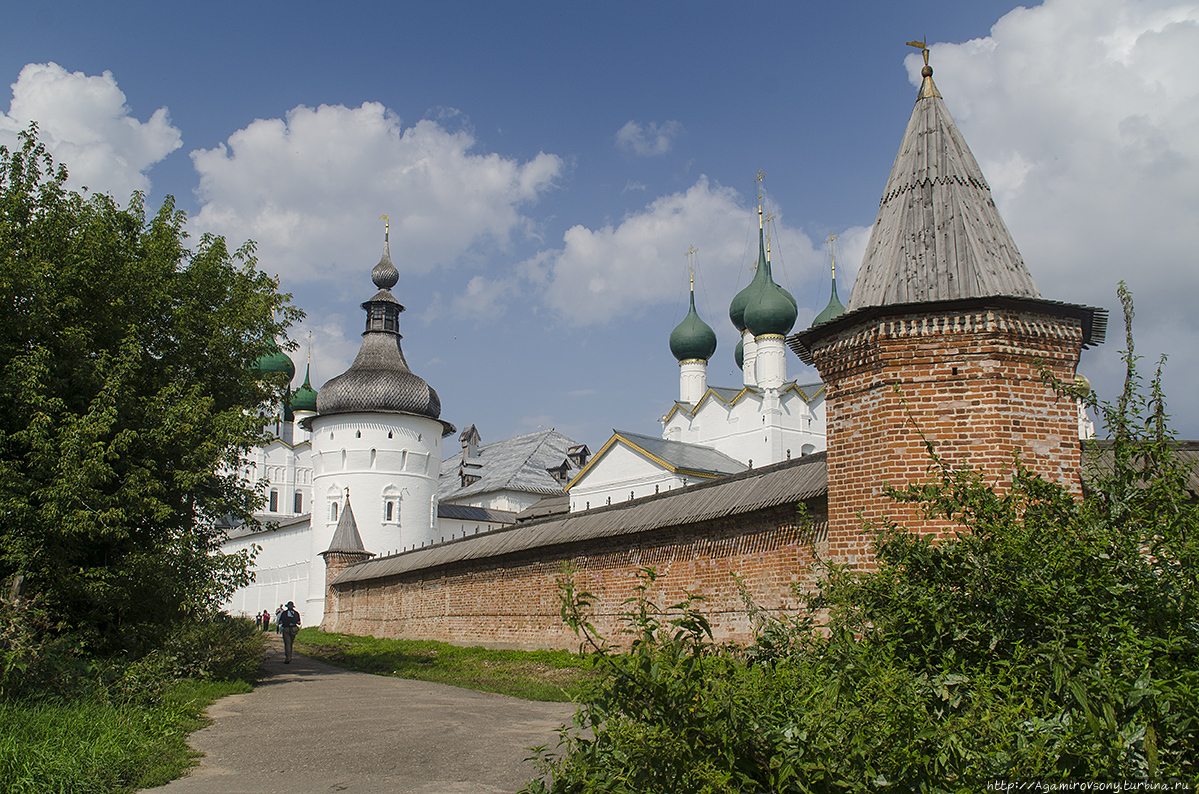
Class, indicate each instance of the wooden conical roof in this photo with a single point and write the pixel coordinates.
(938, 235)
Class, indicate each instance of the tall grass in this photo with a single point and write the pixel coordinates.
(74, 723)
(92, 745)
(533, 675)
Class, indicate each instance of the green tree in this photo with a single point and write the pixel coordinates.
(127, 398)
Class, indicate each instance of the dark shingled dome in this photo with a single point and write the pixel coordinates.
(379, 380)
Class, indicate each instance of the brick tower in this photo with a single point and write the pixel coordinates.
(344, 550)
(944, 334)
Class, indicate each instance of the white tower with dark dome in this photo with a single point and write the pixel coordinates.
(376, 437)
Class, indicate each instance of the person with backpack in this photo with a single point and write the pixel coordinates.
(289, 623)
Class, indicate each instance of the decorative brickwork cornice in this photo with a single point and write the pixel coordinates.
(1092, 321)
(1004, 333)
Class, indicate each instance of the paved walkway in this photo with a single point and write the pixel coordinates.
(310, 727)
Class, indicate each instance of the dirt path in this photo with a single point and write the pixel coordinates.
(310, 727)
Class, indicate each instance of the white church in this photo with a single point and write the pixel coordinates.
(362, 464)
(713, 431)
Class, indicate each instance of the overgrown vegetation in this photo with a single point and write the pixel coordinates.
(128, 399)
(70, 723)
(1052, 639)
(532, 675)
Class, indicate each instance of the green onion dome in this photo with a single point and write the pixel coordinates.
(770, 309)
(692, 338)
(741, 299)
(274, 362)
(739, 354)
(304, 398)
(834, 309)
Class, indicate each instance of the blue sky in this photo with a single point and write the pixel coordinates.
(546, 166)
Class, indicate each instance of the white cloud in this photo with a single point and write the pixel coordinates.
(332, 350)
(308, 189)
(1084, 115)
(1084, 118)
(626, 269)
(648, 140)
(86, 125)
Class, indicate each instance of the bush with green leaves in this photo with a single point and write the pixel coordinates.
(1050, 639)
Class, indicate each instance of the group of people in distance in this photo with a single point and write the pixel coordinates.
(287, 623)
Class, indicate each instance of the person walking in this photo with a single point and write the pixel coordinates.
(278, 612)
(289, 623)
(266, 621)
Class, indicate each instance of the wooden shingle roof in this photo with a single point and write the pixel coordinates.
(938, 235)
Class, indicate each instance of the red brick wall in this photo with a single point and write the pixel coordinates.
(969, 382)
(512, 601)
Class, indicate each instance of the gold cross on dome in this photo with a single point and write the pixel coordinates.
(690, 254)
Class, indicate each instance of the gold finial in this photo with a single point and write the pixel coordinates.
(310, 348)
(927, 87)
(761, 176)
(769, 218)
(347, 494)
(832, 253)
(690, 254)
(386, 224)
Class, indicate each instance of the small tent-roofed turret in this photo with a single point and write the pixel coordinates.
(938, 235)
(346, 539)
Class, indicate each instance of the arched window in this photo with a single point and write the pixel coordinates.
(389, 511)
(299, 503)
(274, 501)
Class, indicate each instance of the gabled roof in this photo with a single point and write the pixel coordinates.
(938, 235)
(514, 464)
(788, 482)
(677, 457)
(731, 396)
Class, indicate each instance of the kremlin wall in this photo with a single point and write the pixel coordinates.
(944, 341)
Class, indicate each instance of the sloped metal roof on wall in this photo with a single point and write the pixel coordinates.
(770, 486)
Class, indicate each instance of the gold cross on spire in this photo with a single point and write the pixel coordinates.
(690, 254)
(310, 348)
(831, 253)
(769, 218)
(386, 223)
(760, 177)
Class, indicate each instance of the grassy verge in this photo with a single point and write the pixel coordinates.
(532, 675)
(94, 745)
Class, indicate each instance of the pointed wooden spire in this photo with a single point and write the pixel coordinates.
(938, 235)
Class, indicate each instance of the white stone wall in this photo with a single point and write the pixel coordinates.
(384, 460)
(281, 572)
(622, 473)
(764, 427)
